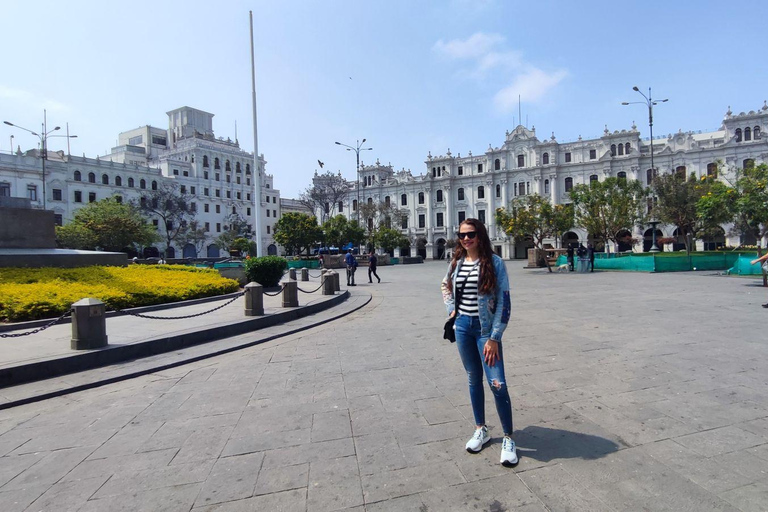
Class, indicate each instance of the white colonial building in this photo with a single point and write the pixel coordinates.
(217, 175)
(456, 187)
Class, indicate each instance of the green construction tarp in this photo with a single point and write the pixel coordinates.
(733, 262)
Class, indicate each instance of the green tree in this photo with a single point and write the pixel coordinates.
(339, 231)
(107, 225)
(195, 235)
(297, 232)
(235, 227)
(380, 215)
(676, 200)
(388, 239)
(604, 208)
(535, 216)
(324, 195)
(172, 208)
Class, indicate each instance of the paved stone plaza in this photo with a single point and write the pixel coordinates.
(630, 391)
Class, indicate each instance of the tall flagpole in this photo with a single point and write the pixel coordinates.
(256, 163)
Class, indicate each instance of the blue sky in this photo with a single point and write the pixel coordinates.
(410, 76)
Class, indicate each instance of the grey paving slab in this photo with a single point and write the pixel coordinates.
(630, 392)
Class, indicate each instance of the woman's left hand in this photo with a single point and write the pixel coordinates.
(491, 352)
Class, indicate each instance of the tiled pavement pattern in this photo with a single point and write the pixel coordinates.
(631, 392)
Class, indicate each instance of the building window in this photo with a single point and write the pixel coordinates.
(154, 185)
(192, 190)
(403, 200)
(479, 168)
(497, 164)
(32, 192)
(205, 164)
(248, 212)
(545, 159)
(193, 207)
(404, 223)
(546, 186)
(627, 148)
(119, 199)
(748, 163)
(205, 175)
(218, 227)
(679, 171)
(422, 220)
(207, 227)
(515, 189)
(747, 133)
(227, 167)
(711, 170)
(439, 196)
(218, 192)
(738, 134)
(498, 190)
(613, 149)
(57, 194)
(205, 207)
(239, 195)
(131, 183)
(229, 179)
(5, 190)
(216, 164)
(521, 160)
(268, 230)
(217, 177)
(461, 171)
(521, 188)
(185, 173)
(58, 219)
(386, 200)
(134, 141)
(354, 205)
(649, 175)
(91, 177)
(183, 189)
(118, 181)
(78, 176)
(218, 208)
(567, 157)
(481, 192)
(78, 196)
(461, 194)
(592, 179)
(462, 216)
(421, 197)
(623, 176)
(481, 216)
(592, 154)
(206, 192)
(142, 184)
(568, 184)
(229, 194)
(341, 206)
(326, 209)
(234, 210)
(247, 168)
(621, 149)
(756, 133)
(439, 219)
(175, 172)
(237, 167)
(91, 197)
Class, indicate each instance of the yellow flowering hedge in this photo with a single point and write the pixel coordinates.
(32, 293)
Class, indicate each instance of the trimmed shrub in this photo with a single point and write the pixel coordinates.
(267, 270)
(32, 293)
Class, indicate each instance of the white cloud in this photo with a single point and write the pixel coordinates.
(31, 101)
(476, 46)
(531, 86)
(488, 54)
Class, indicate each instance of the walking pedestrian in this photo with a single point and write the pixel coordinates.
(351, 262)
(762, 259)
(591, 256)
(476, 290)
(569, 257)
(372, 261)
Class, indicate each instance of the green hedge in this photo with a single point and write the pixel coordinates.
(267, 270)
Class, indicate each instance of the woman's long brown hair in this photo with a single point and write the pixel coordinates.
(485, 252)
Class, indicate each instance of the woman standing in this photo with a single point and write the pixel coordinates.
(476, 290)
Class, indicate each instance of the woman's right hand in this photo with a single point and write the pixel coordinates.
(453, 314)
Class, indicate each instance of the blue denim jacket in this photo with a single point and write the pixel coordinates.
(493, 319)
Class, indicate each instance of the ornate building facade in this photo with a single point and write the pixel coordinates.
(456, 187)
(214, 172)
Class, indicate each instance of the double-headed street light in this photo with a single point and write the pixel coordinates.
(43, 136)
(357, 148)
(650, 102)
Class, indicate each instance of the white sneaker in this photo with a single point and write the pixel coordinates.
(508, 453)
(479, 438)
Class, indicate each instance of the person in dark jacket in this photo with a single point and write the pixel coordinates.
(372, 261)
(570, 257)
(591, 256)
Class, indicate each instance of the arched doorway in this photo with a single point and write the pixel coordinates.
(648, 240)
(405, 251)
(272, 250)
(440, 249)
(570, 238)
(213, 251)
(521, 247)
(624, 239)
(170, 252)
(151, 252)
(189, 251)
(715, 240)
(679, 243)
(597, 244)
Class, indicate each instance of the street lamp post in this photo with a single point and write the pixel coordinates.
(11, 143)
(43, 136)
(357, 149)
(650, 102)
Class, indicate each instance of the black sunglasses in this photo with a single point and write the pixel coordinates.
(468, 234)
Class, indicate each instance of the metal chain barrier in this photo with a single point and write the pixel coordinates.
(49, 324)
(278, 292)
(152, 317)
(315, 277)
(313, 291)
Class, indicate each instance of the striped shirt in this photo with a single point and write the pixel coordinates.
(467, 278)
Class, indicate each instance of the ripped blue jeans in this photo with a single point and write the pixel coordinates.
(470, 343)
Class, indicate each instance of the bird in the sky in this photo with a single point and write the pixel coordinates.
(321, 164)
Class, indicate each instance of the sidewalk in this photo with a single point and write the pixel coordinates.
(149, 342)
